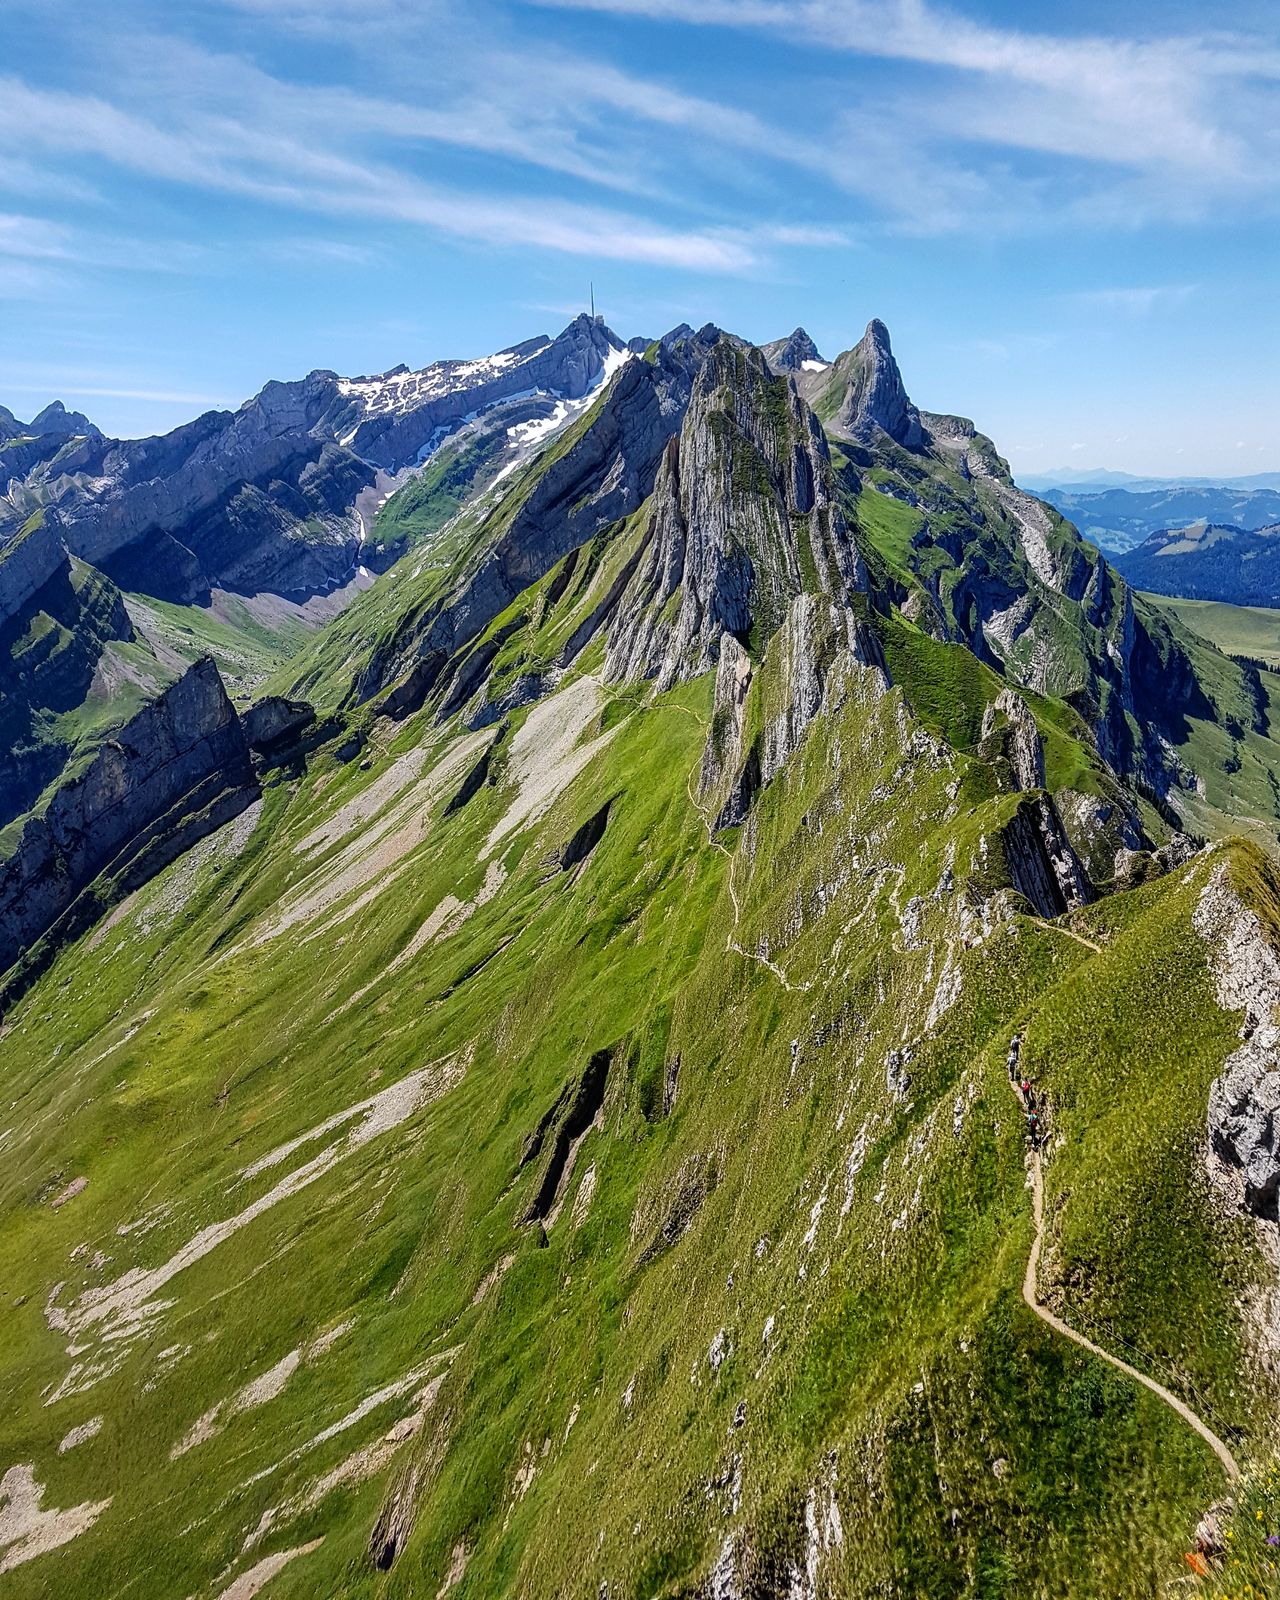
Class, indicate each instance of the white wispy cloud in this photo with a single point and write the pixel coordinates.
(70, 384)
(274, 166)
(1180, 111)
(33, 237)
(1137, 300)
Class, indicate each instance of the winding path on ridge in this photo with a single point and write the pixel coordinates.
(1029, 1282)
(1031, 1296)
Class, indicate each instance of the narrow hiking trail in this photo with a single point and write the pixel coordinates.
(1069, 933)
(1029, 1282)
(1030, 1294)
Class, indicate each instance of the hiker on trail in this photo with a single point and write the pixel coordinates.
(1015, 1045)
(1033, 1127)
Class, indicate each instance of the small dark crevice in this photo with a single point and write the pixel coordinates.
(745, 787)
(409, 695)
(476, 966)
(478, 775)
(560, 582)
(533, 1144)
(584, 1102)
(584, 840)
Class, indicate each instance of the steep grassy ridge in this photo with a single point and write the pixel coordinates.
(472, 1172)
(794, 1129)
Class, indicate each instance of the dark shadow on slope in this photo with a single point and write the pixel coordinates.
(580, 1106)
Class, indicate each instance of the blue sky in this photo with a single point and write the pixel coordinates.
(1069, 216)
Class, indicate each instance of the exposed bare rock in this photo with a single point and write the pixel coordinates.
(56, 419)
(264, 498)
(1041, 863)
(1100, 826)
(744, 521)
(177, 770)
(29, 561)
(274, 720)
(796, 353)
(862, 394)
(665, 1211)
(1020, 741)
(1244, 1103)
(816, 635)
(723, 753)
(605, 474)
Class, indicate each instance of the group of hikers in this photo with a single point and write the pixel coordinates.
(1035, 1123)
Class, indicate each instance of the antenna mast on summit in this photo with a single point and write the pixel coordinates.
(593, 302)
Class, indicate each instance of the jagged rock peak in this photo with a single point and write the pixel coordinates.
(875, 397)
(741, 521)
(55, 418)
(796, 353)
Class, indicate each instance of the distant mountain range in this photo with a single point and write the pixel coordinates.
(1072, 479)
(571, 1020)
(1120, 519)
(1209, 561)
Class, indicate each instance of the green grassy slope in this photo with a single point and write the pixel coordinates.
(247, 648)
(466, 1174)
(1238, 630)
(784, 1269)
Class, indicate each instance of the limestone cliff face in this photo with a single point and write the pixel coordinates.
(862, 395)
(743, 522)
(1042, 866)
(57, 650)
(176, 771)
(220, 500)
(28, 562)
(1244, 1103)
(1009, 723)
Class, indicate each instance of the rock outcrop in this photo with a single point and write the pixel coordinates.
(55, 418)
(176, 771)
(1244, 1103)
(28, 562)
(724, 751)
(274, 722)
(59, 652)
(796, 353)
(1042, 866)
(862, 394)
(743, 521)
(1009, 722)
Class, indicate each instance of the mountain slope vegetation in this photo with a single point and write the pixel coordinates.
(562, 1137)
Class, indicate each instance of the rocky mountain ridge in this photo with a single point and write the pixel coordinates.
(593, 1045)
(54, 419)
(265, 498)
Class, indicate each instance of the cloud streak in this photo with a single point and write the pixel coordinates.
(1179, 110)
